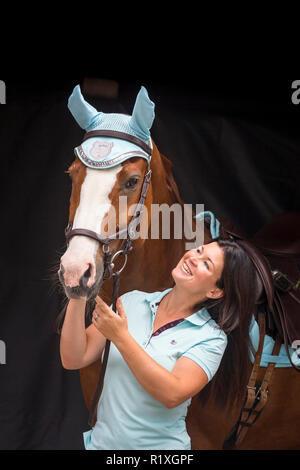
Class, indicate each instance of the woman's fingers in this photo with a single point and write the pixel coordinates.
(120, 307)
(99, 300)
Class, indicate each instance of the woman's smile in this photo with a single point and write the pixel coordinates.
(186, 269)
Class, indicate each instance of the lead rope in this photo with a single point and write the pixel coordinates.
(108, 258)
(116, 285)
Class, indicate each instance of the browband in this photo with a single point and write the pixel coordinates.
(119, 135)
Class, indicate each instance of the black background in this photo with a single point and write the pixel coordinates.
(235, 147)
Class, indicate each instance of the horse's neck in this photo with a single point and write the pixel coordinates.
(159, 256)
(151, 261)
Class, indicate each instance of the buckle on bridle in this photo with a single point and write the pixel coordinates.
(281, 281)
(109, 259)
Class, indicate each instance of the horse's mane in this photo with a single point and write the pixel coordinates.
(172, 186)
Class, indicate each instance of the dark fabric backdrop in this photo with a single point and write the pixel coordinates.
(235, 148)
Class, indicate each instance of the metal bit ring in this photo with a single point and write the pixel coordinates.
(120, 252)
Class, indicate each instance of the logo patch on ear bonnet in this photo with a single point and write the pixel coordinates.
(101, 149)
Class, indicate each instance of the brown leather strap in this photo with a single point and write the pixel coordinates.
(251, 387)
(256, 365)
(87, 233)
(119, 135)
(268, 375)
(116, 285)
(240, 428)
(261, 397)
(98, 390)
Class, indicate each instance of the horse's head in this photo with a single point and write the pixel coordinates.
(111, 162)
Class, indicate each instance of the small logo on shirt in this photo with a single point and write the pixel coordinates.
(173, 341)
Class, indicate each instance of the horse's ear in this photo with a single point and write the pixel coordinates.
(143, 115)
(82, 111)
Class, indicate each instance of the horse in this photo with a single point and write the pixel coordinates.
(148, 268)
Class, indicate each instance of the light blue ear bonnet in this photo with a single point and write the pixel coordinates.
(112, 138)
(214, 223)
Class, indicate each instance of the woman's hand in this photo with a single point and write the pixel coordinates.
(114, 327)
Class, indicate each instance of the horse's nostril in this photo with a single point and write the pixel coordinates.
(87, 273)
(85, 277)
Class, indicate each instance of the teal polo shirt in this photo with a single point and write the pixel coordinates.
(128, 417)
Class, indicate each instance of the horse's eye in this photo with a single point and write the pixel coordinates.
(131, 183)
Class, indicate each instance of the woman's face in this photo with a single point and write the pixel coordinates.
(199, 269)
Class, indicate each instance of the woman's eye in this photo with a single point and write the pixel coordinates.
(206, 264)
(131, 183)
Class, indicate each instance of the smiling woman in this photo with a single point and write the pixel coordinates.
(200, 269)
(182, 337)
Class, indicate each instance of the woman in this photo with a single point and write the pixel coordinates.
(165, 347)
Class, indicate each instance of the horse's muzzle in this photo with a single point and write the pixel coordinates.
(82, 290)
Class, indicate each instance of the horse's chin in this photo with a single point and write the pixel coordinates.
(78, 291)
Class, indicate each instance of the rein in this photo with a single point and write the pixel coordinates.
(128, 233)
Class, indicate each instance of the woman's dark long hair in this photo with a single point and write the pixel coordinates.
(233, 313)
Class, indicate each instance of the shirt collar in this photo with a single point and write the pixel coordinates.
(198, 318)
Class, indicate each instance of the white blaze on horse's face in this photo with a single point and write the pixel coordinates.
(94, 205)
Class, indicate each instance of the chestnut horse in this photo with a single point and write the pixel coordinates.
(149, 269)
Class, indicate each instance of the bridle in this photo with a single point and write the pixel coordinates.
(128, 233)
